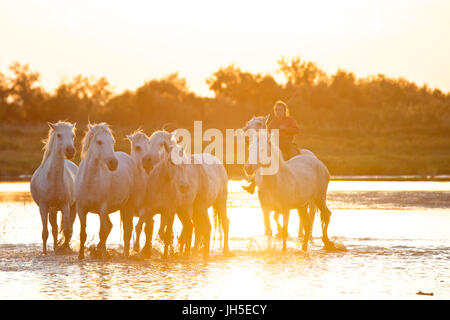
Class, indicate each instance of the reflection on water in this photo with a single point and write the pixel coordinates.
(396, 234)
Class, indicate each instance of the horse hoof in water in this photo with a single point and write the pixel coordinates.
(63, 249)
(333, 247)
(99, 253)
(145, 254)
(136, 257)
(103, 255)
(300, 238)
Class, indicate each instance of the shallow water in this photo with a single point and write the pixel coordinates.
(396, 233)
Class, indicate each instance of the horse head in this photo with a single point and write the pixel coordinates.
(256, 123)
(160, 146)
(61, 136)
(140, 145)
(99, 143)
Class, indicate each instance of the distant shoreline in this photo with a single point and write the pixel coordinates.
(441, 177)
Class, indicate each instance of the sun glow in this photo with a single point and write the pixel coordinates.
(134, 41)
(15, 187)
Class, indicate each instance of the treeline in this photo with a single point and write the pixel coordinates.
(316, 100)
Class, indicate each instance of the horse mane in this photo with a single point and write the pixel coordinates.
(138, 130)
(48, 142)
(159, 132)
(139, 133)
(168, 126)
(257, 118)
(91, 133)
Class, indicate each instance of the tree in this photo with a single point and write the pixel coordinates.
(299, 72)
(79, 98)
(24, 95)
(256, 93)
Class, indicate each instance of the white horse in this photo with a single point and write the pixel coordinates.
(139, 148)
(52, 184)
(298, 181)
(188, 188)
(103, 185)
(257, 124)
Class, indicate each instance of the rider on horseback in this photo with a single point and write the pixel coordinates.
(288, 129)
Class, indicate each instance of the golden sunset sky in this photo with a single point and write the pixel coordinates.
(133, 41)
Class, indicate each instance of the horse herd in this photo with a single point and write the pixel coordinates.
(149, 182)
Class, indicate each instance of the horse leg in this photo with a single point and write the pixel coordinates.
(285, 232)
(301, 227)
(302, 211)
(276, 217)
(266, 214)
(189, 230)
(67, 226)
(186, 234)
(52, 218)
(162, 227)
(168, 234)
(43, 210)
(197, 232)
(138, 230)
(325, 215)
(105, 229)
(206, 228)
(82, 218)
(304, 217)
(73, 214)
(312, 216)
(127, 218)
(181, 238)
(148, 229)
(109, 226)
(223, 217)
